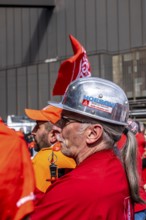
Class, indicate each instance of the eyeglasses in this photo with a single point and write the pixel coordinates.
(66, 121)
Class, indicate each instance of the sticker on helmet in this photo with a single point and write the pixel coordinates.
(97, 103)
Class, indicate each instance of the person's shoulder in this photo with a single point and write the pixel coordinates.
(44, 152)
(64, 161)
(140, 136)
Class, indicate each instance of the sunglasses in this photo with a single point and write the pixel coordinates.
(66, 121)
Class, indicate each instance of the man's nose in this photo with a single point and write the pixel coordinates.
(34, 130)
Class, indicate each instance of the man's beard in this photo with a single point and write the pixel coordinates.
(43, 143)
(37, 147)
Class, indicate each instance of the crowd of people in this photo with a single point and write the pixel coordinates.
(90, 160)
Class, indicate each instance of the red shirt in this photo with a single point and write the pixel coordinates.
(96, 189)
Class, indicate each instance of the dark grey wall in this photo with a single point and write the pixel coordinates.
(28, 36)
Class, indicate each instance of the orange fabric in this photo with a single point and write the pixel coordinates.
(49, 113)
(16, 176)
(41, 163)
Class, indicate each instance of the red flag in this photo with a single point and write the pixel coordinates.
(75, 67)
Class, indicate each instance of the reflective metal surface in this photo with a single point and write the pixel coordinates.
(97, 98)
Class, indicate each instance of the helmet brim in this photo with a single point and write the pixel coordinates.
(64, 107)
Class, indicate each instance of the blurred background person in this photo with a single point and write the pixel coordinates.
(134, 127)
(48, 163)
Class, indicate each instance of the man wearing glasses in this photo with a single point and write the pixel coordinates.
(104, 185)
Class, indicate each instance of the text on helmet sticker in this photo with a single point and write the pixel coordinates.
(97, 103)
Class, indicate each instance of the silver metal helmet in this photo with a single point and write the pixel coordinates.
(96, 98)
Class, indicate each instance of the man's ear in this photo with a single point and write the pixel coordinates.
(94, 133)
(52, 137)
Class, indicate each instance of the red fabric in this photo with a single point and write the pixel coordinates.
(38, 195)
(140, 144)
(75, 67)
(16, 176)
(96, 189)
(139, 207)
(121, 142)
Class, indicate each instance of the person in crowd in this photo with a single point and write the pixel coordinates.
(133, 126)
(30, 142)
(140, 138)
(103, 185)
(48, 163)
(142, 150)
(17, 182)
(140, 209)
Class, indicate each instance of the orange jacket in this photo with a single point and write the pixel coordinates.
(16, 176)
(41, 163)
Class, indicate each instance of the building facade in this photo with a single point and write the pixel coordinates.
(113, 32)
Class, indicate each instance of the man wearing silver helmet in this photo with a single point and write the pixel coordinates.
(104, 185)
